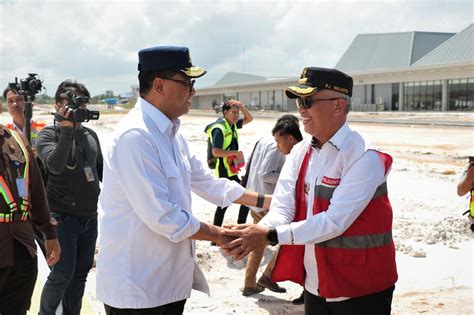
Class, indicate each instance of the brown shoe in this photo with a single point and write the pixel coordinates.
(266, 282)
(247, 291)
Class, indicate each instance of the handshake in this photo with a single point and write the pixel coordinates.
(240, 239)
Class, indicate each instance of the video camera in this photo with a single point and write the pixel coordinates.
(78, 114)
(30, 86)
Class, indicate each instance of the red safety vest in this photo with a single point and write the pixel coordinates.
(360, 261)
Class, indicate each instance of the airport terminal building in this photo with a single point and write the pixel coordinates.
(407, 71)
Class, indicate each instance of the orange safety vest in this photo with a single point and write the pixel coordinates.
(35, 128)
(360, 261)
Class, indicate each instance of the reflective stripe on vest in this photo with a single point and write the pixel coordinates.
(358, 242)
(325, 192)
(6, 192)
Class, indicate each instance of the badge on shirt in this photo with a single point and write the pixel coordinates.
(21, 187)
(89, 174)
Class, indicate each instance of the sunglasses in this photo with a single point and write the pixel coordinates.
(307, 102)
(188, 83)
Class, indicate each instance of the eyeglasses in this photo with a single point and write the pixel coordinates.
(307, 102)
(188, 83)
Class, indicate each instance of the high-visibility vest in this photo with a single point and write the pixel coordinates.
(6, 193)
(226, 129)
(36, 127)
(360, 261)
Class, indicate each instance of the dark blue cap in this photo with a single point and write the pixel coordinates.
(168, 58)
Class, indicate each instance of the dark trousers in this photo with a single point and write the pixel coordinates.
(175, 308)
(379, 303)
(67, 279)
(220, 212)
(17, 282)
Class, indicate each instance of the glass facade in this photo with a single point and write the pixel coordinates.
(461, 94)
(427, 95)
(423, 95)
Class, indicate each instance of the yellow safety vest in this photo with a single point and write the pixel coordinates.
(226, 129)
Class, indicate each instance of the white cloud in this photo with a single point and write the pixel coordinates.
(96, 42)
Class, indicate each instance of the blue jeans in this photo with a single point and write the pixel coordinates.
(67, 279)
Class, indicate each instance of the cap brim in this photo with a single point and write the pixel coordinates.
(300, 90)
(194, 72)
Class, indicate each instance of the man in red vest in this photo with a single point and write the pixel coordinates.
(330, 210)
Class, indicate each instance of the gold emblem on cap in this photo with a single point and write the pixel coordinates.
(194, 72)
(301, 91)
(189, 55)
(302, 81)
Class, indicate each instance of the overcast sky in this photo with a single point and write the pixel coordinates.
(96, 42)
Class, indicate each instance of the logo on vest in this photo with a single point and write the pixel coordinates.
(330, 181)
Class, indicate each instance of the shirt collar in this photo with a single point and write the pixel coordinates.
(337, 139)
(163, 123)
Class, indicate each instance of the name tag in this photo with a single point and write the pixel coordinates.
(21, 187)
(89, 174)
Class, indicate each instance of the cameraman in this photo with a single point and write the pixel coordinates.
(73, 158)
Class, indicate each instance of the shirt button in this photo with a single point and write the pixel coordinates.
(73, 203)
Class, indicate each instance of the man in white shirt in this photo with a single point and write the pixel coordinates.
(264, 167)
(330, 209)
(146, 261)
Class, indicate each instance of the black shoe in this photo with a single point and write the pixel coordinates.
(266, 282)
(247, 291)
(299, 301)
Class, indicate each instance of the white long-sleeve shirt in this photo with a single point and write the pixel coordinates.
(146, 258)
(342, 163)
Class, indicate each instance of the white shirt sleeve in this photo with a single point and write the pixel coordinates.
(220, 191)
(146, 186)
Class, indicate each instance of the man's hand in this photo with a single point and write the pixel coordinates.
(53, 251)
(249, 238)
(64, 112)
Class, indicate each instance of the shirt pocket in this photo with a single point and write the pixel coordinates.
(172, 181)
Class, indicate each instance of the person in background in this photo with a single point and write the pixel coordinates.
(22, 197)
(225, 146)
(16, 106)
(466, 185)
(72, 156)
(146, 262)
(264, 166)
(330, 210)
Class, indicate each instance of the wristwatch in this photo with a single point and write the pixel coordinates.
(272, 236)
